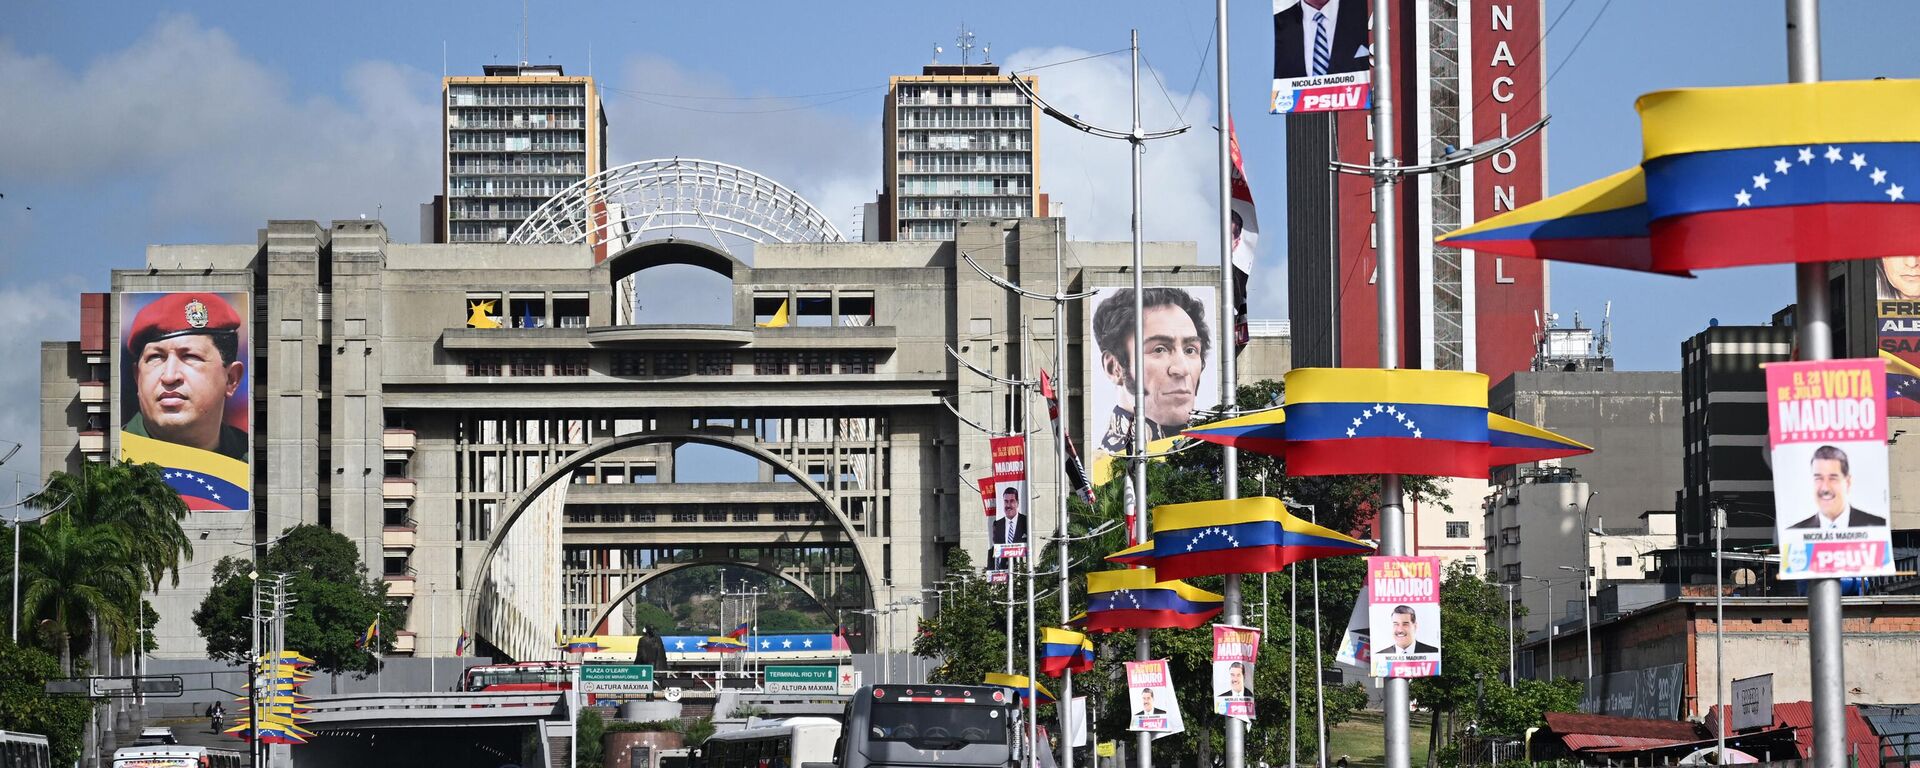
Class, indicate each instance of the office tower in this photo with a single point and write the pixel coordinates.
(960, 144)
(514, 137)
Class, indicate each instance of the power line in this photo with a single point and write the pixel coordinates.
(1069, 61)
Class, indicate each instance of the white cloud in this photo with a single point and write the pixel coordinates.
(214, 139)
(30, 312)
(1092, 175)
(831, 157)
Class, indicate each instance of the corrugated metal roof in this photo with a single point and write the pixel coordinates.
(1663, 731)
(1594, 742)
(1862, 742)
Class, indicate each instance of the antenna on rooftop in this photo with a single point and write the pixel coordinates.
(937, 50)
(965, 42)
(987, 53)
(523, 33)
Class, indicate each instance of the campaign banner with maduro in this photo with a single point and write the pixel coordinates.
(1827, 428)
(1403, 609)
(186, 363)
(1322, 61)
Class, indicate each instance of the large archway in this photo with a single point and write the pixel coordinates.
(519, 503)
(626, 203)
(613, 603)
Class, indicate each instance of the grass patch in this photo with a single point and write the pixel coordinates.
(1363, 740)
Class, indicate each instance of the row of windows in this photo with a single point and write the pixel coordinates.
(667, 364)
(979, 141)
(517, 96)
(706, 513)
(945, 94)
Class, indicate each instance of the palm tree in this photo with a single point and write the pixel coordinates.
(75, 577)
(134, 499)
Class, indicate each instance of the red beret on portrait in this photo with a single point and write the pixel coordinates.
(181, 314)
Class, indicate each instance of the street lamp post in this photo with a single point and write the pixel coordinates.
(1513, 666)
(1586, 609)
(1550, 624)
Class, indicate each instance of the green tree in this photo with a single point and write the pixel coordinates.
(591, 727)
(24, 705)
(335, 602)
(968, 633)
(650, 616)
(75, 577)
(133, 499)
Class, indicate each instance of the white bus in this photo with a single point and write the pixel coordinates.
(785, 743)
(176, 756)
(28, 750)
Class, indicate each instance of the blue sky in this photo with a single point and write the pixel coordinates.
(130, 123)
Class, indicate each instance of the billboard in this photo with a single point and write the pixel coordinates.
(1897, 320)
(1403, 610)
(1827, 428)
(185, 392)
(1322, 57)
(1181, 339)
(1235, 652)
(1752, 702)
(1150, 699)
(1009, 528)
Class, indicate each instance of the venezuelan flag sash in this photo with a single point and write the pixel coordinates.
(1136, 598)
(1253, 535)
(1019, 685)
(1350, 421)
(1797, 172)
(205, 480)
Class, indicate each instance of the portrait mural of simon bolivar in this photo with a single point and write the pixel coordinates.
(184, 393)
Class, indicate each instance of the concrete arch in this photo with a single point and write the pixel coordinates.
(519, 502)
(612, 604)
(669, 250)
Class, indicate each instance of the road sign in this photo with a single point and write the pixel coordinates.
(616, 678)
(122, 687)
(803, 680)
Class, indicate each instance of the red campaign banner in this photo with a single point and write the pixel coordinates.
(986, 497)
(1009, 458)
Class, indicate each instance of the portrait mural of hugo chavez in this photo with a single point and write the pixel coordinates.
(185, 392)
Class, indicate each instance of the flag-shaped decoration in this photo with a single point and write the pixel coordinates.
(1076, 471)
(1252, 535)
(370, 639)
(1770, 174)
(1135, 598)
(1019, 684)
(1245, 232)
(1362, 421)
(460, 645)
(724, 644)
(1062, 650)
(583, 645)
(1903, 379)
(778, 320)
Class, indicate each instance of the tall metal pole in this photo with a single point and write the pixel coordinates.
(1033, 556)
(1386, 261)
(1236, 734)
(1143, 648)
(1319, 663)
(1293, 667)
(1060, 469)
(16, 561)
(253, 664)
(1719, 637)
(1552, 630)
(1812, 316)
(1589, 585)
(1513, 661)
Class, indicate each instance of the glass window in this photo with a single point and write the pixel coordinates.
(770, 363)
(716, 364)
(570, 364)
(629, 364)
(483, 365)
(1623, 560)
(529, 364)
(672, 364)
(1457, 530)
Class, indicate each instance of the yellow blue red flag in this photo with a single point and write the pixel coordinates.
(1136, 598)
(1739, 176)
(1357, 421)
(1252, 535)
(1019, 685)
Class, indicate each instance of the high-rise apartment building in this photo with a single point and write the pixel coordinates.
(960, 144)
(514, 137)
(1725, 436)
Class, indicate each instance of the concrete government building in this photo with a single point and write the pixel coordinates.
(503, 451)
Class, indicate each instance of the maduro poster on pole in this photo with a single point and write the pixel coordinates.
(1321, 59)
(992, 506)
(1828, 432)
(1010, 494)
(1150, 699)
(1404, 615)
(1235, 651)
